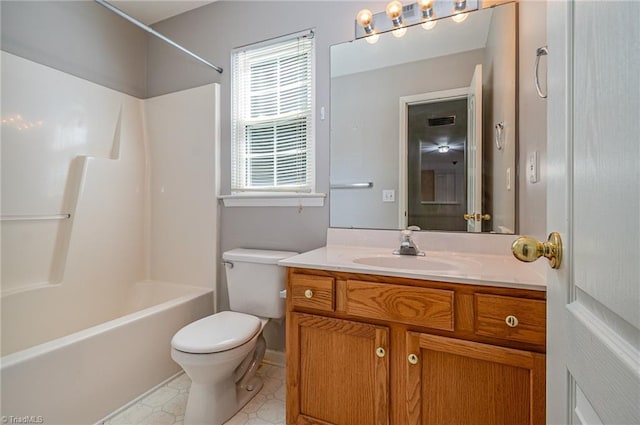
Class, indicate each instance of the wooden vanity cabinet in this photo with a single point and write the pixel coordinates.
(365, 349)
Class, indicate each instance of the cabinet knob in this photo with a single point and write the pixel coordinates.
(380, 352)
(511, 321)
(413, 359)
(308, 293)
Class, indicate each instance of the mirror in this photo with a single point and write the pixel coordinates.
(423, 127)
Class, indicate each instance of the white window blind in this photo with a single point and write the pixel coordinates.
(272, 116)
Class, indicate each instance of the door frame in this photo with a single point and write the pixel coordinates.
(405, 102)
(559, 205)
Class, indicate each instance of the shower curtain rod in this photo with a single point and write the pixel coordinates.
(156, 33)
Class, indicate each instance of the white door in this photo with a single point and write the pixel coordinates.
(474, 151)
(593, 315)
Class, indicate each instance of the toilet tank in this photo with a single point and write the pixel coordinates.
(254, 281)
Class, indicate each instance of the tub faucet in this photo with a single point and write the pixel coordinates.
(407, 245)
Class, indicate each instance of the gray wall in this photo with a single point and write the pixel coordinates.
(81, 38)
(499, 103)
(532, 111)
(213, 31)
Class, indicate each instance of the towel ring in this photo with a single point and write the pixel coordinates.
(542, 51)
(499, 133)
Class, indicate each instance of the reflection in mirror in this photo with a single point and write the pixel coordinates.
(417, 117)
(436, 153)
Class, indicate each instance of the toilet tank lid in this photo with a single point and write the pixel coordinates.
(257, 255)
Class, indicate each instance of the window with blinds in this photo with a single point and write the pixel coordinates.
(272, 116)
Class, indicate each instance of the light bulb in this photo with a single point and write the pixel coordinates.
(443, 148)
(459, 5)
(394, 10)
(425, 4)
(429, 25)
(399, 32)
(427, 8)
(364, 18)
(373, 38)
(460, 17)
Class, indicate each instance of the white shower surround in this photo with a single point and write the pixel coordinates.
(138, 178)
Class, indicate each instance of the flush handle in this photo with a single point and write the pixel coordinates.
(308, 293)
(529, 249)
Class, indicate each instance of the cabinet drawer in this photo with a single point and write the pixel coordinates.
(527, 318)
(431, 308)
(316, 292)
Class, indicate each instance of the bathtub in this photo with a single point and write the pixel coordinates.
(82, 377)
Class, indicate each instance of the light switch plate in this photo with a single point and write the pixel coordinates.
(388, 195)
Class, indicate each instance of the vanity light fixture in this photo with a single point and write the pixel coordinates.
(397, 18)
(365, 20)
(426, 6)
(394, 12)
(458, 7)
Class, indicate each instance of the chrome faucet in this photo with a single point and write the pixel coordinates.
(407, 245)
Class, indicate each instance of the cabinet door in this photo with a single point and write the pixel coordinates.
(337, 371)
(452, 381)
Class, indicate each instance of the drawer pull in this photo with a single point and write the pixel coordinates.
(308, 293)
(380, 352)
(511, 321)
(413, 359)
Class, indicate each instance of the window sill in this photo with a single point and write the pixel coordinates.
(274, 200)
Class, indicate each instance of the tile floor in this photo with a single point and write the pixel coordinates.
(165, 406)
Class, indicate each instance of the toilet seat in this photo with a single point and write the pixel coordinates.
(219, 332)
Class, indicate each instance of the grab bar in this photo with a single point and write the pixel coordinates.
(33, 217)
(363, 185)
(542, 51)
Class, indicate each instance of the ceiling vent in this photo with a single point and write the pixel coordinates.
(440, 121)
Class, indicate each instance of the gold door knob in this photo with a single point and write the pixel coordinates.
(529, 249)
(413, 359)
(308, 293)
(477, 216)
(380, 352)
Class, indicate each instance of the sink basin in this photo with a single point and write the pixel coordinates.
(409, 262)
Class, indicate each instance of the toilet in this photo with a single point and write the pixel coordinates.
(222, 352)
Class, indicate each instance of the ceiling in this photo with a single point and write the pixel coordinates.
(151, 11)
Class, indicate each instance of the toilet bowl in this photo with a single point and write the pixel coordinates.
(222, 352)
(211, 351)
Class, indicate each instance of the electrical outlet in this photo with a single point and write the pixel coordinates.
(388, 195)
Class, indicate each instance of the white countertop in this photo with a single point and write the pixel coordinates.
(489, 269)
